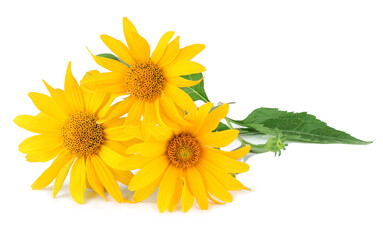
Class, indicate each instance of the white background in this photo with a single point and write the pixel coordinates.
(324, 57)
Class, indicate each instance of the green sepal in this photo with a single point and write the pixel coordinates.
(276, 145)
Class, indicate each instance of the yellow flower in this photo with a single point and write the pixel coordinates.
(74, 127)
(151, 82)
(185, 162)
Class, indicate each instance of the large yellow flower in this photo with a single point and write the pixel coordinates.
(75, 127)
(151, 82)
(185, 162)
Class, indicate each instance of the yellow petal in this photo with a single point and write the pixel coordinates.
(122, 133)
(73, 92)
(201, 115)
(169, 123)
(117, 146)
(122, 176)
(181, 98)
(39, 142)
(111, 157)
(214, 186)
(147, 149)
(41, 148)
(119, 109)
(214, 200)
(161, 47)
(110, 64)
(226, 179)
(161, 133)
(104, 105)
(197, 187)
(218, 139)
(119, 89)
(182, 82)
(90, 73)
(113, 123)
(189, 52)
(128, 25)
(135, 162)
(138, 47)
(170, 53)
(77, 184)
(167, 187)
(187, 197)
(131, 143)
(103, 79)
(177, 194)
(41, 123)
(213, 119)
(168, 106)
(149, 119)
(118, 48)
(59, 98)
(135, 113)
(182, 68)
(134, 131)
(48, 175)
(149, 173)
(158, 112)
(128, 28)
(236, 154)
(143, 193)
(223, 162)
(93, 179)
(45, 155)
(61, 177)
(107, 178)
(96, 102)
(47, 105)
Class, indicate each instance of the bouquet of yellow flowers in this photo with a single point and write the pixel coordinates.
(141, 115)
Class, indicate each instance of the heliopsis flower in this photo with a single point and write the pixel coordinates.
(186, 162)
(152, 82)
(74, 127)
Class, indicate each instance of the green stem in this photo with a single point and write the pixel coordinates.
(243, 142)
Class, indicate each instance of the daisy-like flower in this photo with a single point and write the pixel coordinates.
(74, 127)
(185, 162)
(152, 82)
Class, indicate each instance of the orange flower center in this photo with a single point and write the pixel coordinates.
(145, 81)
(183, 151)
(82, 135)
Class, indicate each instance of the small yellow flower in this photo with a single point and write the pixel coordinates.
(152, 82)
(79, 130)
(185, 162)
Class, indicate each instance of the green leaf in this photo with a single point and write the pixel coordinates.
(108, 55)
(111, 56)
(196, 92)
(301, 127)
(221, 127)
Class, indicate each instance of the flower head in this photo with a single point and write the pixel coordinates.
(185, 162)
(81, 132)
(152, 82)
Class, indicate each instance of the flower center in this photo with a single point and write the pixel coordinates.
(183, 150)
(82, 135)
(145, 81)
